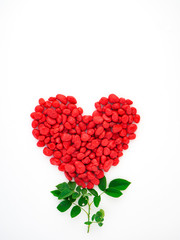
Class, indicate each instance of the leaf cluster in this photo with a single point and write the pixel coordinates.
(69, 193)
(98, 218)
(115, 187)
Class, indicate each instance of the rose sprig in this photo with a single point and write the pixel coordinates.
(81, 199)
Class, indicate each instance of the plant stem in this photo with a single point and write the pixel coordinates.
(101, 193)
(89, 209)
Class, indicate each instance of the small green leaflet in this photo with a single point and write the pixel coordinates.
(93, 217)
(102, 213)
(64, 205)
(113, 192)
(78, 189)
(83, 201)
(93, 191)
(71, 185)
(84, 191)
(102, 184)
(119, 184)
(75, 195)
(98, 216)
(55, 193)
(65, 193)
(75, 211)
(88, 223)
(97, 200)
(62, 186)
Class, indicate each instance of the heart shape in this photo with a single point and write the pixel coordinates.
(84, 146)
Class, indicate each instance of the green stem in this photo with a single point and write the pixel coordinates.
(101, 193)
(89, 209)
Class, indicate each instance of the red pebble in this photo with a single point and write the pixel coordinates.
(85, 137)
(113, 98)
(137, 118)
(80, 156)
(70, 168)
(103, 101)
(39, 108)
(115, 162)
(131, 128)
(95, 181)
(68, 176)
(44, 130)
(41, 101)
(40, 144)
(90, 185)
(106, 151)
(47, 151)
(56, 104)
(57, 154)
(80, 167)
(116, 128)
(38, 115)
(34, 123)
(35, 133)
(99, 130)
(124, 118)
(97, 119)
(50, 120)
(107, 165)
(61, 98)
(51, 113)
(100, 174)
(55, 161)
(66, 137)
(132, 136)
(71, 99)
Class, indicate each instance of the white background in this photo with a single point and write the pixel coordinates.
(89, 49)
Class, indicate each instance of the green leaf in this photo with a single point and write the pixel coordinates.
(72, 185)
(75, 195)
(113, 192)
(65, 193)
(83, 201)
(100, 224)
(84, 191)
(98, 216)
(93, 217)
(93, 191)
(64, 206)
(102, 184)
(102, 213)
(119, 184)
(55, 193)
(75, 211)
(97, 200)
(88, 223)
(62, 186)
(78, 189)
